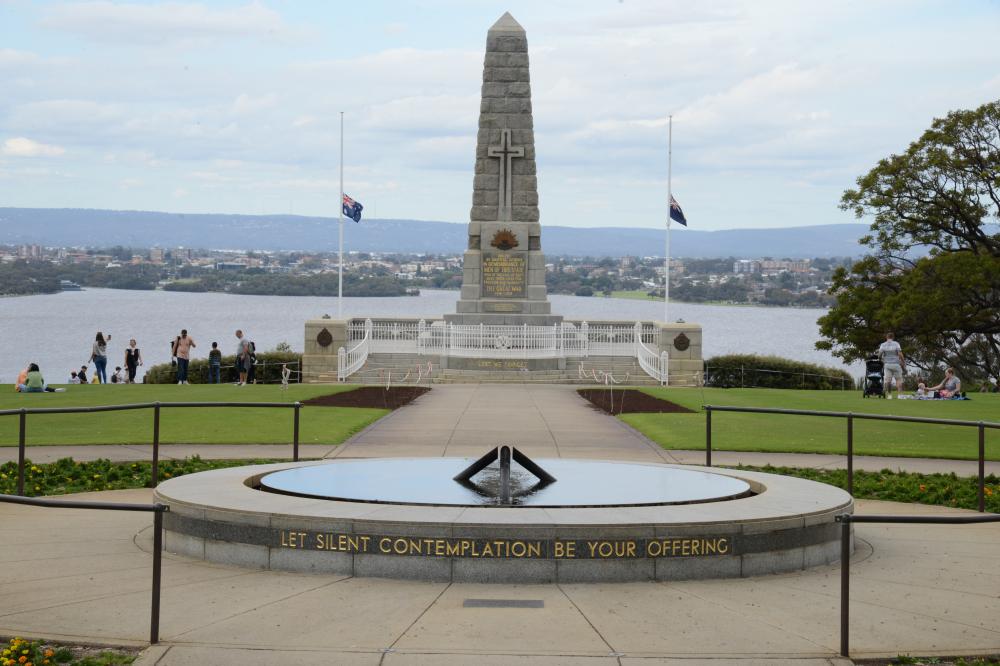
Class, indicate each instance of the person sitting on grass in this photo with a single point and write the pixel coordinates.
(34, 383)
(949, 387)
(22, 377)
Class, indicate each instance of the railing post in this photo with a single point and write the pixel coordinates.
(341, 364)
(154, 613)
(664, 369)
(155, 472)
(295, 433)
(850, 453)
(708, 435)
(845, 587)
(22, 425)
(982, 467)
(585, 332)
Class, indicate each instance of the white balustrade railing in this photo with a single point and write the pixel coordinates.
(653, 364)
(350, 361)
(563, 340)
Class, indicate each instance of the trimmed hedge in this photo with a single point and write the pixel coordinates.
(750, 370)
(268, 369)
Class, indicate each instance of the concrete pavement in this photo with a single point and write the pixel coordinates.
(84, 577)
(80, 576)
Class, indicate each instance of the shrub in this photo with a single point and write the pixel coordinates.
(268, 369)
(749, 370)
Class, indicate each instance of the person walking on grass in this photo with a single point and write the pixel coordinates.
(242, 357)
(133, 359)
(182, 351)
(214, 364)
(891, 355)
(99, 355)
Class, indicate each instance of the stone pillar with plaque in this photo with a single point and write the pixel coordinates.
(504, 268)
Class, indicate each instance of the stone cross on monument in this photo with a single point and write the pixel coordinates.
(503, 276)
(506, 153)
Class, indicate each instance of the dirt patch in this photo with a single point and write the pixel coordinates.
(629, 401)
(370, 396)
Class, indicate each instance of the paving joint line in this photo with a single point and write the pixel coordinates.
(587, 620)
(264, 605)
(742, 613)
(417, 619)
(548, 426)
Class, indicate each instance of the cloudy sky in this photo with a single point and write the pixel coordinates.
(233, 107)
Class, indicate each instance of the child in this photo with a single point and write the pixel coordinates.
(214, 364)
(116, 378)
(82, 375)
(285, 374)
(73, 379)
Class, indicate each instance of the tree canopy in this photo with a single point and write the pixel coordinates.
(933, 276)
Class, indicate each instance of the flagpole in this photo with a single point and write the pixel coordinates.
(670, 211)
(340, 207)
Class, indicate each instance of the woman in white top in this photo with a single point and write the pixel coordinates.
(99, 355)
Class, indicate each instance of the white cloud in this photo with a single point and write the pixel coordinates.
(167, 22)
(246, 104)
(23, 147)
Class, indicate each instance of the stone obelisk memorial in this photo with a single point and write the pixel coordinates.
(503, 322)
(503, 277)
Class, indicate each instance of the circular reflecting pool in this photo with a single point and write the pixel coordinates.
(579, 483)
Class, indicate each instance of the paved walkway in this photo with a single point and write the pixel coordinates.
(84, 577)
(916, 589)
(464, 420)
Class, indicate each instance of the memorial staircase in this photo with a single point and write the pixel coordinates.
(400, 369)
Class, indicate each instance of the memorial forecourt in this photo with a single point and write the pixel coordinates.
(506, 548)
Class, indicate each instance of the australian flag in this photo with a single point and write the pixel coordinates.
(676, 214)
(352, 208)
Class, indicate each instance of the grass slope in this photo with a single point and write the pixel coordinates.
(236, 425)
(811, 434)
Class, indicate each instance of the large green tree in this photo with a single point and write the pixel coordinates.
(933, 274)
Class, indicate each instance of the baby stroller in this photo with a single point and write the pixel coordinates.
(873, 385)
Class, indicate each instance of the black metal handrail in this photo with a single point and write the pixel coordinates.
(156, 509)
(845, 521)
(981, 426)
(156, 407)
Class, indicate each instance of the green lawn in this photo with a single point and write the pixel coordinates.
(635, 295)
(318, 425)
(811, 434)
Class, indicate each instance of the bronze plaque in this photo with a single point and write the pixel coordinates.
(682, 342)
(324, 339)
(504, 275)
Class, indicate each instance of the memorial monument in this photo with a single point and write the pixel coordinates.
(503, 328)
(503, 276)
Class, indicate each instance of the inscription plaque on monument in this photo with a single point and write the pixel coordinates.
(504, 275)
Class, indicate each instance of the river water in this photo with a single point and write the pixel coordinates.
(57, 330)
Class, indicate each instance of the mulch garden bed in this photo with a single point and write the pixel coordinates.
(629, 401)
(370, 396)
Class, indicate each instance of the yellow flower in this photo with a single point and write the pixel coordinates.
(922, 487)
(50, 652)
(22, 659)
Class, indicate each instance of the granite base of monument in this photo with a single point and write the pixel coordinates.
(784, 524)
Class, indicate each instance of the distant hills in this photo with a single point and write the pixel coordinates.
(92, 228)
